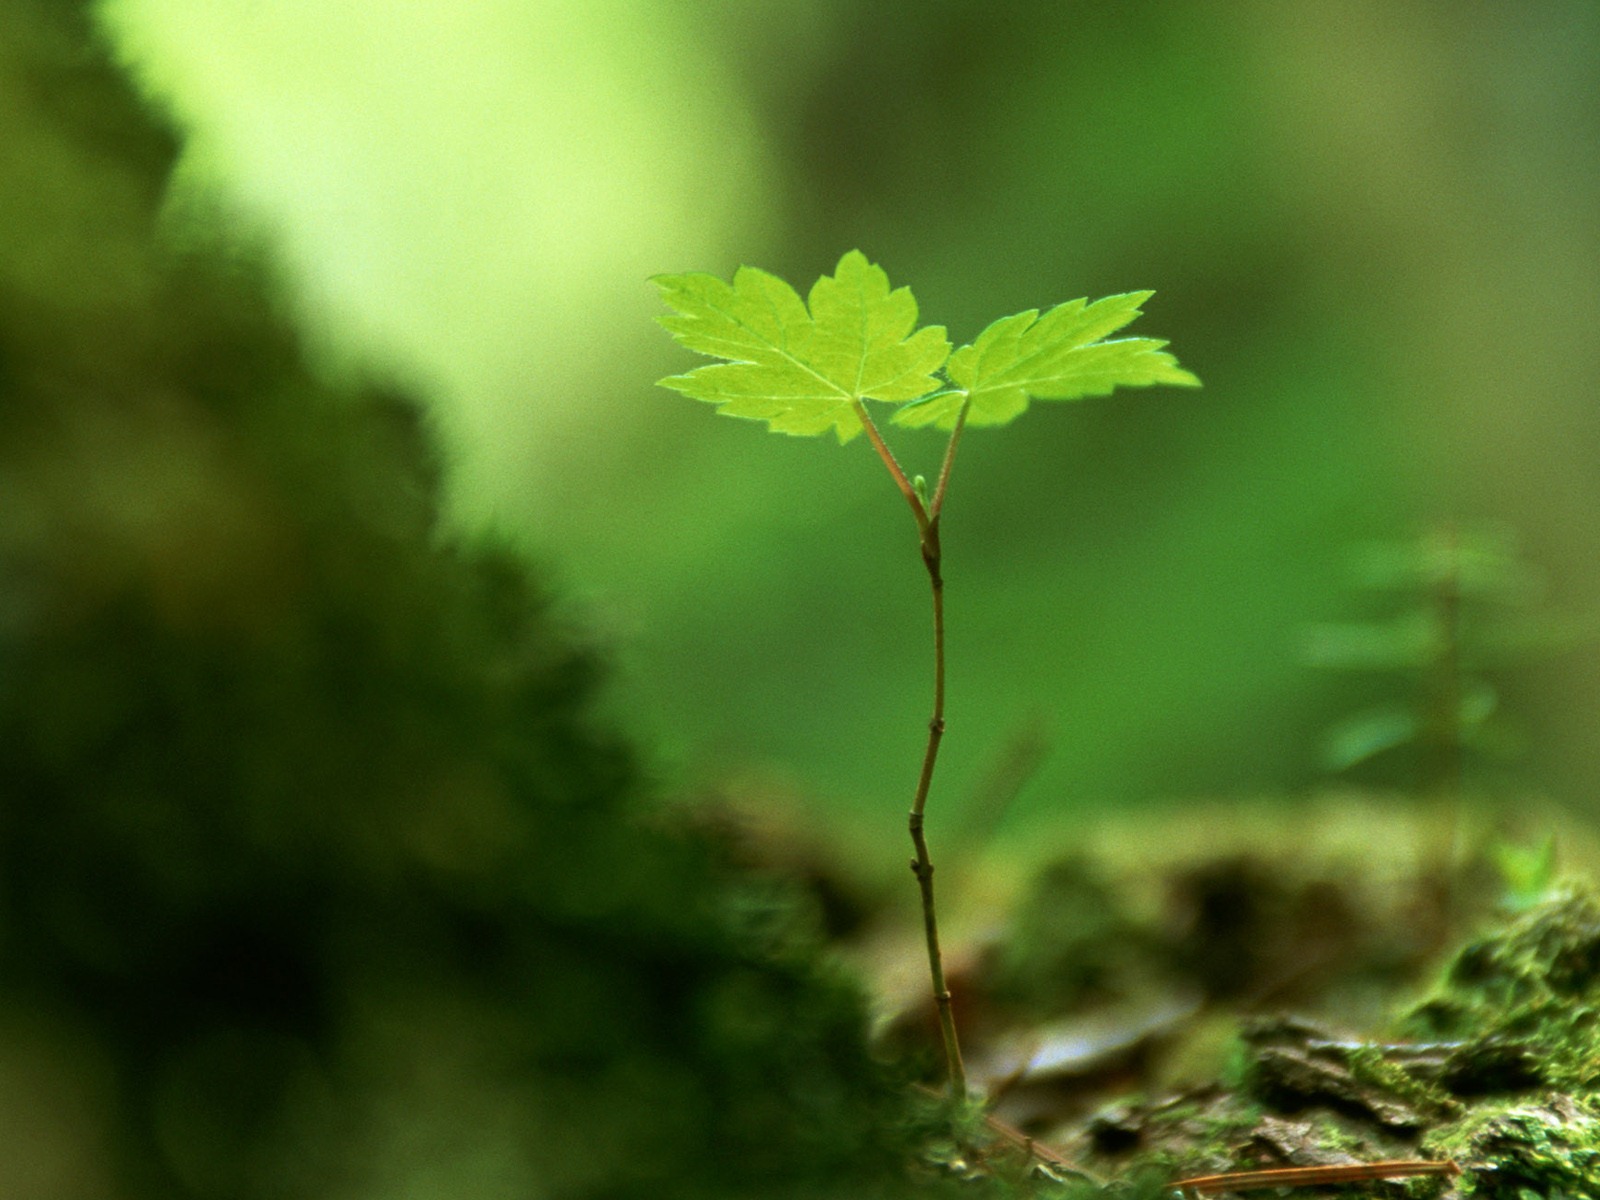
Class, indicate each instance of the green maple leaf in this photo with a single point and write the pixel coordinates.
(802, 372)
(1059, 356)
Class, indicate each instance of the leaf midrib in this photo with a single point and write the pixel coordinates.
(783, 351)
(1005, 381)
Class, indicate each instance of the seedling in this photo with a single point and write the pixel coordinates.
(805, 367)
(1468, 607)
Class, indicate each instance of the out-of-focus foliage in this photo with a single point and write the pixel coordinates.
(1372, 232)
(317, 878)
(1466, 612)
(1527, 871)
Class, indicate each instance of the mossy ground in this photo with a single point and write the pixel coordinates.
(1493, 1066)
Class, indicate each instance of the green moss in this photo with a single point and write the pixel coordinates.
(1524, 1001)
(1548, 1145)
(1495, 1072)
(1372, 1069)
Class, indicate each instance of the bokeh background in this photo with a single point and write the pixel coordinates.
(1371, 227)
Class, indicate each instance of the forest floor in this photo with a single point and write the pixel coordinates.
(1209, 990)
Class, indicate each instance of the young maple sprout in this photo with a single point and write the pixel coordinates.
(805, 367)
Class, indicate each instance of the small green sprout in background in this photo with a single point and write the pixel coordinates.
(1466, 605)
(807, 367)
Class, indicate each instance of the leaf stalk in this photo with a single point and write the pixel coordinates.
(896, 472)
(937, 506)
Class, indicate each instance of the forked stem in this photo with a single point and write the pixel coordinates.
(922, 864)
(901, 479)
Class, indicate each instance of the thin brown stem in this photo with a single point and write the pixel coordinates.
(937, 504)
(901, 480)
(922, 864)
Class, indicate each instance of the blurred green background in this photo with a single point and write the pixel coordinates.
(1372, 231)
